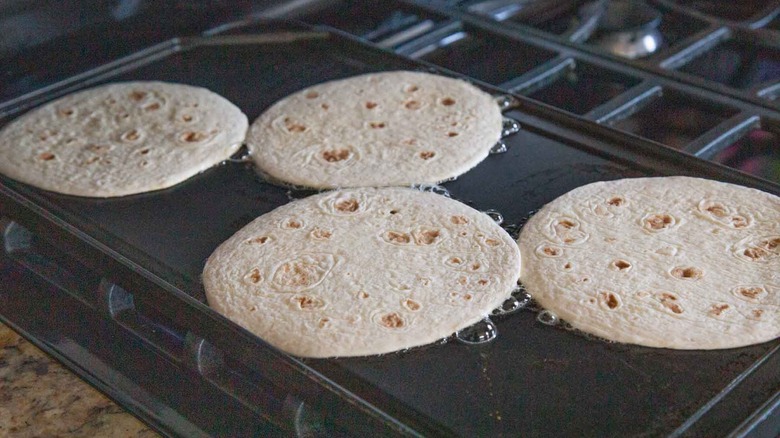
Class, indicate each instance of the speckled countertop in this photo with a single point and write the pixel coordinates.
(40, 398)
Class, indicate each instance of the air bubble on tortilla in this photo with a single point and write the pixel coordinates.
(187, 118)
(750, 293)
(132, 135)
(303, 272)
(425, 236)
(667, 251)
(482, 332)
(336, 155)
(602, 211)
(546, 250)
(671, 302)
(307, 302)
(426, 155)
(718, 309)
(292, 224)
(151, 107)
(459, 220)
(547, 317)
(391, 320)
(192, 136)
(658, 222)
(320, 234)
(609, 300)
(259, 240)
(67, 112)
(397, 237)
(413, 105)
(289, 125)
(412, 305)
(621, 265)
(411, 88)
(686, 273)
(567, 230)
(137, 96)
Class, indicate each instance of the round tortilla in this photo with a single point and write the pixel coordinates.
(381, 129)
(672, 262)
(121, 139)
(362, 272)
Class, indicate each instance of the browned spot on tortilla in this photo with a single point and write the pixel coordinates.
(392, 320)
(550, 251)
(609, 299)
(456, 260)
(615, 201)
(306, 302)
(335, 155)
(426, 237)
(186, 118)
(658, 221)
(152, 107)
(325, 106)
(757, 313)
(393, 236)
(143, 151)
(255, 276)
(717, 211)
(293, 126)
(670, 302)
(475, 266)
(412, 305)
(377, 125)
(131, 135)
(427, 155)
(192, 137)
(770, 244)
(459, 220)
(411, 88)
(750, 292)
(482, 282)
(137, 95)
(312, 95)
(755, 253)
(412, 105)
(452, 134)
(621, 264)
(492, 242)
(66, 112)
(739, 221)
(347, 205)
(371, 105)
(687, 272)
(294, 224)
(467, 297)
(448, 101)
(46, 156)
(323, 322)
(718, 309)
(259, 240)
(319, 233)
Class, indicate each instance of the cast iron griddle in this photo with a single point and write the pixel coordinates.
(533, 380)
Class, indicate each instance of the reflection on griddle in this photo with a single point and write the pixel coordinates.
(757, 153)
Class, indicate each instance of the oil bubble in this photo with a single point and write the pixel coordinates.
(509, 127)
(433, 188)
(547, 317)
(510, 305)
(506, 102)
(479, 333)
(498, 148)
(497, 217)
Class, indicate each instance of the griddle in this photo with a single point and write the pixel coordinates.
(116, 292)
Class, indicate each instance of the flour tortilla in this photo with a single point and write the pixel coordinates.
(122, 138)
(672, 262)
(362, 272)
(381, 129)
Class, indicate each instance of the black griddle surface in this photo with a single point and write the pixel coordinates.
(533, 380)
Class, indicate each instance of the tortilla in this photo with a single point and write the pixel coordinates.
(362, 272)
(121, 138)
(672, 262)
(381, 129)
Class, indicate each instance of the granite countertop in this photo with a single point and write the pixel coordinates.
(40, 398)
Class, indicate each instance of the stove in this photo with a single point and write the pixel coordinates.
(599, 90)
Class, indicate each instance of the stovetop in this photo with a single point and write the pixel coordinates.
(124, 307)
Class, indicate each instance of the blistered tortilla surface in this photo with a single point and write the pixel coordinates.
(380, 129)
(362, 272)
(673, 262)
(121, 139)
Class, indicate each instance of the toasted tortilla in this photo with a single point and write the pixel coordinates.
(362, 272)
(672, 262)
(381, 129)
(121, 139)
